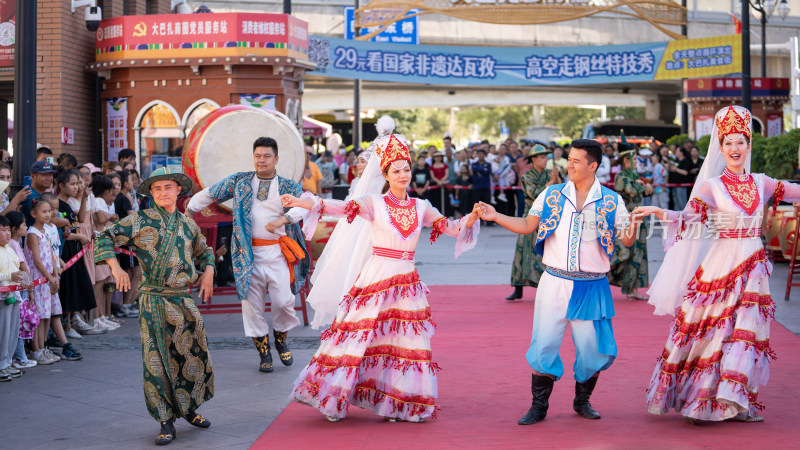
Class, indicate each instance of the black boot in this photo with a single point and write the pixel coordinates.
(516, 295)
(541, 388)
(197, 420)
(283, 350)
(167, 433)
(581, 403)
(262, 344)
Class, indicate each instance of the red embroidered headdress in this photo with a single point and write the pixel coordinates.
(395, 150)
(733, 119)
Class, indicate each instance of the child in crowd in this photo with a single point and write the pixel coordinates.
(28, 319)
(43, 262)
(75, 288)
(10, 276)
(461, 196)
(123, 204)
(660, 192)
(56, 236)
(104, 215)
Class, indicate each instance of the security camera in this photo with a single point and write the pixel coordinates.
(93, 17)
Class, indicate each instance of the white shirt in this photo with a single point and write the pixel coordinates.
(574, 245)
(261, 213)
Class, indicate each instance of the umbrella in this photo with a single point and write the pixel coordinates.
(315, 128)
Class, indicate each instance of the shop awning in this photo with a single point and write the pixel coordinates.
(315, 128)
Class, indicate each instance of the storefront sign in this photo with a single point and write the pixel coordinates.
(508, 66)
(206, 35)
(8, 12)
(117, 126)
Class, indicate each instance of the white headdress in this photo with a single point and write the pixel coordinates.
(684, 256)
(350, 245)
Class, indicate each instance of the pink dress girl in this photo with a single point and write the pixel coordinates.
(46, 304)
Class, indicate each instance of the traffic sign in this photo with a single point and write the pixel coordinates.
(404, 31)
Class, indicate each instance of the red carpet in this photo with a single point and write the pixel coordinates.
(484, 388)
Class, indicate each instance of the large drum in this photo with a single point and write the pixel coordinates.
(221, 143)
(787, 235)
(321, 236)
(774, 222)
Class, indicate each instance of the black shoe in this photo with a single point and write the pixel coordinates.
(283, 350)
(262, 345)
(167, 434)
(52, 342)
(581, 403)
(69, 353)
(516, 295)
(541, 388)
(197, 420)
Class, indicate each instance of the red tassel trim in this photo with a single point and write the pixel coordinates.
(749, 339)
(321, 208)
(685, 332)
(438, 228)
(352, 210)
(777, 196)
(403, 285)
(401, 402)
(701, 208)
(705, 292)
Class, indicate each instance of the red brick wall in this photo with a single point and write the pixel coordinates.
(66, 94)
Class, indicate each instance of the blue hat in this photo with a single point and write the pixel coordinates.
(42, 167)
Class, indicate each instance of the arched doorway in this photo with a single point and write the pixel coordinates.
(159, 137)
(197, 111)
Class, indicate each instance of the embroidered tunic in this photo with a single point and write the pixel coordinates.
(377, 355)
(178, 376)
(718, 352)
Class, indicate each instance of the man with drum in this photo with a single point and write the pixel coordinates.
(264, 260)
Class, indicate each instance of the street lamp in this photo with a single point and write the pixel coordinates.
(763, 9)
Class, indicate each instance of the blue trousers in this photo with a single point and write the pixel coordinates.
(549, 324)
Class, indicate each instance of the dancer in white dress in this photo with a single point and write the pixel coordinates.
(717, 354)
(377, 354)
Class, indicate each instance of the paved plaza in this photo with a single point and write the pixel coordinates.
(98, 402)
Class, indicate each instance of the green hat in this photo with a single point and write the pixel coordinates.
(537, 150)
(163, 173)
(623, 144)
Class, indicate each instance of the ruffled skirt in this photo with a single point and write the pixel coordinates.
(718, 352)
(376, 355)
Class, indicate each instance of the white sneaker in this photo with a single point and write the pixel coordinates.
(72, 334)
(42, 358)
(492, 200)
(23, 365)
(129, 311)
(502, 197)
(79, 324)
(109, 324)
(52, 355)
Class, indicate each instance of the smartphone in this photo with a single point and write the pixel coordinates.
(51, 160)
(27, 181)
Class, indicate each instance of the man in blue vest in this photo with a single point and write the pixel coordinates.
(577, 225)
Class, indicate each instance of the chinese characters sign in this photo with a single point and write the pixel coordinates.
(117, 126)
(404, 31)
(501, 66)
(206, 35)
(704, 57)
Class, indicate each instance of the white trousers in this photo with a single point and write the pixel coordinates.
(270, 272)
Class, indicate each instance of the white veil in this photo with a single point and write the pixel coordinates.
(350, 245)
(684, 256)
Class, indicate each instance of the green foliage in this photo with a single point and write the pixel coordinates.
(702, 144)
(626, 112)
(569, 119)
(678, 139)
(780, 154)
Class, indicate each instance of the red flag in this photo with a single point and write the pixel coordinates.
(737, 24)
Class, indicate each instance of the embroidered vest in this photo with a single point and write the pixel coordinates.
(605, 211)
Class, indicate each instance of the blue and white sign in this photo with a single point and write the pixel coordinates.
(497, 66)
(404, 31)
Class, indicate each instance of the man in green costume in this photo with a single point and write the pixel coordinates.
(178, 376)
(528, 267)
